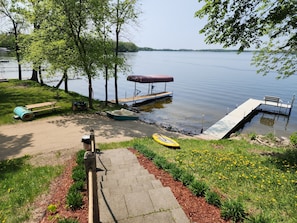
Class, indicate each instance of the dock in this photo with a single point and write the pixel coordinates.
(141, 98)
(225, 126)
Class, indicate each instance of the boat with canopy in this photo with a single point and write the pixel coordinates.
(150, 80)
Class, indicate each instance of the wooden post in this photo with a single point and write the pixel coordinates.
(90, 167)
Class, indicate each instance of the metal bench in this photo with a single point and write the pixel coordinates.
(272, 99)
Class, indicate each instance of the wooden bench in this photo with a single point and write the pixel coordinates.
(45, 106)
(272, 99)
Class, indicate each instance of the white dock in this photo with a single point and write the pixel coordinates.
(224, 127)
(147, 97)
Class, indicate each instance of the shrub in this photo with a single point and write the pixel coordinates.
(175, 172)
(74, 200)
(149, 154)
(293, 139)
(77, 186)
(213, 198)
(186, 178)
(233, 210)
(68, 220)
(79, 173)
(80, 157)
(160, 162)
(198, 188)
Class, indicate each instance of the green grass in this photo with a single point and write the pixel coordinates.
(20, 184)
(262, 178)
(19, 93)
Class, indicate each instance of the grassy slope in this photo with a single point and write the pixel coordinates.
(262, 178)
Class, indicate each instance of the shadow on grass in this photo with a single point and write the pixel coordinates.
(284, 160)
(11, 166)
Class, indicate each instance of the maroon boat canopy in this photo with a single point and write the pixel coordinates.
(150, 78)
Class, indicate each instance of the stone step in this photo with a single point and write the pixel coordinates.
(125, 189)
(142, 207)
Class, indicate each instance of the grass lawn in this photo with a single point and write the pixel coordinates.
(263, 179)
(20, 184)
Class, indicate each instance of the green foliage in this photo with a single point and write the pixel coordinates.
(293, 139)
(213, 198)
(186, 178)
(232, 209)
(77, 186)
(252, 136)
(68, 220)
(259, 219)
(246, 24)
(79, 173)
(7, 40)
(175, 172)
(160, 162)
(198, 188)
(17, 192)
(127, 47)
(80, 157)
(74, 199)
(52, 208)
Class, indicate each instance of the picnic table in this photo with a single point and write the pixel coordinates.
(44, 106)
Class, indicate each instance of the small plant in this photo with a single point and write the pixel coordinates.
(160, 162)
(293, 139)
(68, 220)
(52, 209)
(198, 188)
(186, 178)
(213, 198)
(149, 154)
(79, 173)
(74, 200)
(233, 210)
(175, 172)
(77, 186)
(270, 136)
(252, 136)
(80, 157)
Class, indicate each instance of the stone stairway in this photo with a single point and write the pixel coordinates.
(129, 194)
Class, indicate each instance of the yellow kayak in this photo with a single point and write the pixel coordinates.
(164, 140)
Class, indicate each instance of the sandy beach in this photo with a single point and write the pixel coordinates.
(64, 133)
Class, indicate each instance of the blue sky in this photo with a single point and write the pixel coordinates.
(169, 24)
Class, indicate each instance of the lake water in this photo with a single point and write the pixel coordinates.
(207, 85)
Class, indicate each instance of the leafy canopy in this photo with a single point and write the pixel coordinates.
(269, 26)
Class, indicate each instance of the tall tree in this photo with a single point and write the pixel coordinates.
(125, 12)
(86, 46)
(9, 9)
(270, 26)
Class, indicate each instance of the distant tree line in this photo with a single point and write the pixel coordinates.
(7, 41)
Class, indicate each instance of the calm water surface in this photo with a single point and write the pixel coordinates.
(207, 85)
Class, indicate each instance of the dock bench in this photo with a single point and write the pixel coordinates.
(44, 106)
(272, 99)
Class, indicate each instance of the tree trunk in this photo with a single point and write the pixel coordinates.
(34, 76)
(60, 82)
(106, 85)
(17, 49)
(66, 81)
(90, 92)
(40, 76)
